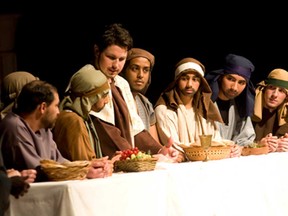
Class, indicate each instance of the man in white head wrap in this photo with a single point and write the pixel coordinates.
(185, 110)
(270, 117)
(74, 131)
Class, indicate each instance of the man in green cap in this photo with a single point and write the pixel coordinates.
(270, 117)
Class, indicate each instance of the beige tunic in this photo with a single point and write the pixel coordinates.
(183, 126)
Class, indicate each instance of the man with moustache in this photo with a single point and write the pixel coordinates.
(118, 124)
(185, 110)
(25, 133)
(233, 93)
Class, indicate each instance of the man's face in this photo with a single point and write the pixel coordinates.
(274, 96)
(99, 105)
(137, 73)
(232, 85)
(188, 84)
(51, 113)
(111, 61)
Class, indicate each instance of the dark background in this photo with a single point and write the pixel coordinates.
(53, 41)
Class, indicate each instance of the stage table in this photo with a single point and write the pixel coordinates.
(250, 185)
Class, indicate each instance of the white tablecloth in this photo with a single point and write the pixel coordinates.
(251, 185)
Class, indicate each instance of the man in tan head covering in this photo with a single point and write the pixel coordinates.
(270, 118)
(74, 132)
(137, 71)
(11, 87)
(185, 110)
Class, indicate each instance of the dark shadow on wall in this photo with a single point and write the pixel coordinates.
(53, 42)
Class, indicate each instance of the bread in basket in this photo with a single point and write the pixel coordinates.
(254, 149)
(69, 170)
(219, 149)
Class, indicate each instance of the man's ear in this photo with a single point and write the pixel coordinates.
(96, 51)
(286, 98)
(96, 56)
(43, 107)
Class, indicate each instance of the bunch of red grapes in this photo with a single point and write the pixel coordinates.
(128, 152)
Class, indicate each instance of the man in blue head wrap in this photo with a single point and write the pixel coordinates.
(234, 94)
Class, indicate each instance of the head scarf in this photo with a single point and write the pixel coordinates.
(235, 64)
(277, 77)
(135, 53)
(11, 87)
(203, 104)
(85, 88)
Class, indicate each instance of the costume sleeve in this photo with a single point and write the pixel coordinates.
(152, 115)
(145, 142)
(282, 130)
(110, 137)
(244, 134)
(71, 135)
(29, 146)
(22, 148)
(167, 124)
(37, 146)
(136, 122)
(149, 108)
(5, 187)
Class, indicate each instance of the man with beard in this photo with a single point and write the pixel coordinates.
(118, 124)
(25, 133)
(233, 93)
(137, 71)
(185, 110)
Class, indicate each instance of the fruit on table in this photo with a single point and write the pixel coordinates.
(134, 154)
(255, 145)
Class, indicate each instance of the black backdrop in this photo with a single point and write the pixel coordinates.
(53, 41)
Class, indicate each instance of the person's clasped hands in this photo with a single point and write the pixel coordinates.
(29, 174)
(19, 186)
(270, 141)
(236, 150)
(20, 181)
(169, 153)
(100, 168)
(276, 144)
(282, 143)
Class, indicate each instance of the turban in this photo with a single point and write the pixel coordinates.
(235, 64)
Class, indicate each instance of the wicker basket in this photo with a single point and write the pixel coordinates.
(197, 153)
(76, 170)
(254, 151)
(137, 165)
